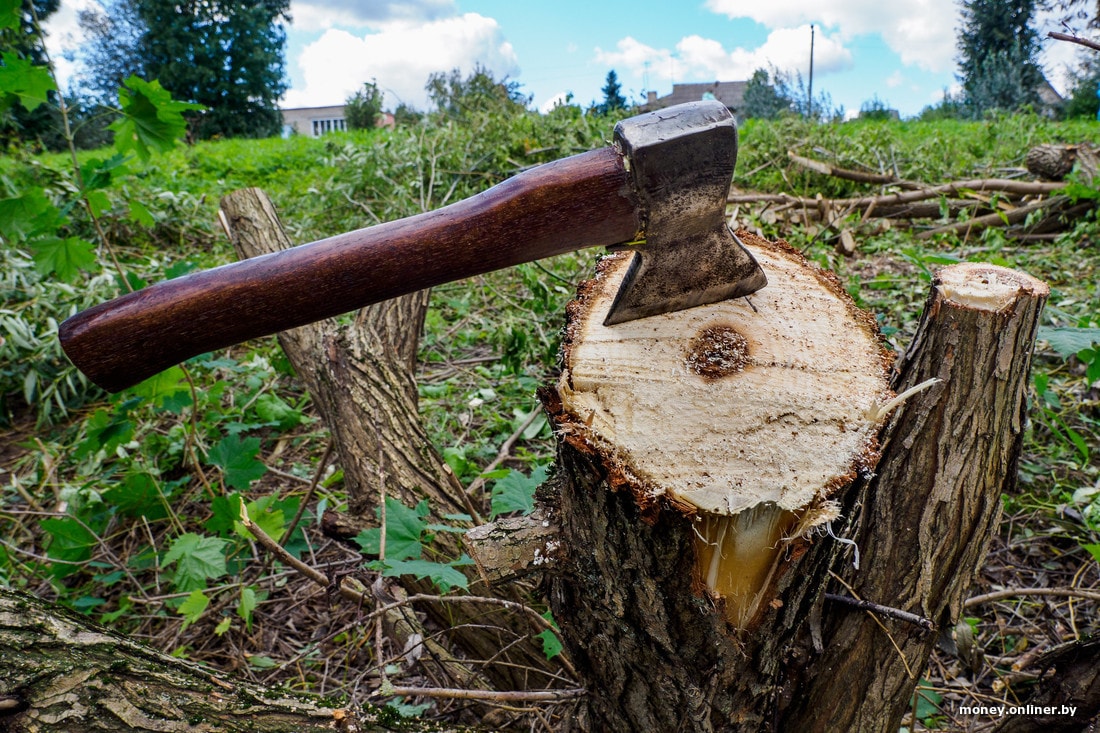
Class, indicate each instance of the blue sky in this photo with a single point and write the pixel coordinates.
(901, 53)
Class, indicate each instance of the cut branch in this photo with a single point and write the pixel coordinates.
(849, 175)
(1087, 43)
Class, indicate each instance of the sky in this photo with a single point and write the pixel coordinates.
(902, 54)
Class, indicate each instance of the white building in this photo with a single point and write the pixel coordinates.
(313, 121)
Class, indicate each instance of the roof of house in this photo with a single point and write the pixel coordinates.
(729, 93)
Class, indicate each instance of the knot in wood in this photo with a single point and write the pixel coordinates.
(717, 351)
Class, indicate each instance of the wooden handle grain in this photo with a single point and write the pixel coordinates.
(582, 201)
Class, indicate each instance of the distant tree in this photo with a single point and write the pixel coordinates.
(612, 95)
(224, 54)
(1082, 100)
(876, 109)
(112, 50)
(20, 45)
(765, 96)
(361, 110)
(460, 97)
(404, 115)
(951, 107)
(998, 55)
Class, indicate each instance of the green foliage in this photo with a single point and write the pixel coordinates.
(189, 46)
(765, 96)
(1083, 100)
(197, 559)
(926, 704)
(407, 535)
(23, 82)
(480, 92)
(23, 87)
(999, 47)
(237, 460)
(515, 492)
(361, 109)
(876, 109)
(150, 120)
(613, 100)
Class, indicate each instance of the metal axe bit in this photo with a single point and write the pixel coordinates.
(661, 188)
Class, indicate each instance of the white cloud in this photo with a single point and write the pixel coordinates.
(554, 101)
(400, 57)
(921, 32)
(895, 80)
(786, 49)
(64, 36)
(312, 16)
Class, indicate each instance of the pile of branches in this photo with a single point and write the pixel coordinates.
(1024, 209)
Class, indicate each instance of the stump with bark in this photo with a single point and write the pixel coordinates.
(717, 466)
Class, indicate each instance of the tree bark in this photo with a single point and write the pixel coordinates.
(360, 377)
(656, 646)
(924, 522)
(63, 673)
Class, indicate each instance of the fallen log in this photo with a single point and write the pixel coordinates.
(63, 673)
(704, 458)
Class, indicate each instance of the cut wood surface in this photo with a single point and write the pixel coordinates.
(776, 394)
(779, 397)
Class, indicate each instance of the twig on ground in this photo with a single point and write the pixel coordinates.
(488, 695)
(1001, 595)
(503, 453)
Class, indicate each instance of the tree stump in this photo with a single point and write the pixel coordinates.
(704, 457)
(1054, 162)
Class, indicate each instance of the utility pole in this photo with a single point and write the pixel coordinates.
(810, 101)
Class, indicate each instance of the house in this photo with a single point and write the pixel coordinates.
(729, 93)
(313, 121)
(316, 121)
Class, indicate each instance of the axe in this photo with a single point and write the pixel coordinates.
(660, 189)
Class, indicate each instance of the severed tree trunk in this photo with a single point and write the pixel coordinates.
(63, 673)
(706, 458)
(924, 521)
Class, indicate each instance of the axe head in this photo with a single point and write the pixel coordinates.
(681, 162)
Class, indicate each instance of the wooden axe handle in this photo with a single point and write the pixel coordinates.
(577, 202)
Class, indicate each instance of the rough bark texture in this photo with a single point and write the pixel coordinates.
(1054, 162)
(63, 673)
(656, 654)
(924, 522)
(359, 374)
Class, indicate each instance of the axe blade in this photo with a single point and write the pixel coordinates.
(681, 164)
(714, 268)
